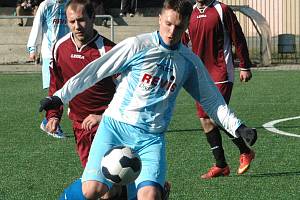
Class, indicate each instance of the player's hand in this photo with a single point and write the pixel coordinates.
(50, 103)
(52, 124)
(245, 76)
(248, 134)
(32, 56)
(90, 121)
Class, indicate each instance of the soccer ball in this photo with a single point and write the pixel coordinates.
(120, 165)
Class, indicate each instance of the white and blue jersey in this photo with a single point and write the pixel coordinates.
(49, 25)
(151, 75)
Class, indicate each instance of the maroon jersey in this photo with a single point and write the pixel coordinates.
(69, 60)
(211, 32)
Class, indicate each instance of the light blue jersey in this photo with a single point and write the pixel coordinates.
(151, 75)
(49, 25)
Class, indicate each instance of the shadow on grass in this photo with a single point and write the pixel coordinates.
(276, 174)
(200, 129)
(184, 130)
(194, 129)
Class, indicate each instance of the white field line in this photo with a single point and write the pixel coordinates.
(270, 126)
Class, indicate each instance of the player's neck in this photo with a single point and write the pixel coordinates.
(204, 4)
(201, 5)
(83, 42)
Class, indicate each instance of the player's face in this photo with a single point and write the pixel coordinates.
(171, 26)
(80, 24)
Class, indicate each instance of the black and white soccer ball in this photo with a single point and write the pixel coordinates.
(120, 165)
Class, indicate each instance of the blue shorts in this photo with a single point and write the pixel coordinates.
(149, 146)
(46, 72)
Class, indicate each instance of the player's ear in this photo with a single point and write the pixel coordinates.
(159, 19)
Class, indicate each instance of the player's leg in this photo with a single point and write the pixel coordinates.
(73, 191)
(132, 191)
(151, 149)
(46, 73)
(94, 184)
(125, 6)
(214, 139)
(46, 82)
(133, 7)
(246, 154)
(84, 139)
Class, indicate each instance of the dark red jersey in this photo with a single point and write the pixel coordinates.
(211, 33)
(69, 60)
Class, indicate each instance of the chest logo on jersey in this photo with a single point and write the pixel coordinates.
(201, 16)
(77, 56)
(59, 21)
(149, 82)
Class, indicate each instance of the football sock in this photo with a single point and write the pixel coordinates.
(73, 191)
(240, 143)
(215, 141)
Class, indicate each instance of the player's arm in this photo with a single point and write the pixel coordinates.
(36, 33)
(238, 38)
(201, 87)
(111, 63)
(56, 82)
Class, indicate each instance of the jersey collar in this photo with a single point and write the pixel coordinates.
(161, 42)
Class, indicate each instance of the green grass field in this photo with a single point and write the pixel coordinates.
(36, 166)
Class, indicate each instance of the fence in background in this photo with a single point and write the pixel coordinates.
(283, 17)
(111, 19)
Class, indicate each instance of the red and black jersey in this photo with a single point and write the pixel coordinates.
(211, 33)
(69, 60)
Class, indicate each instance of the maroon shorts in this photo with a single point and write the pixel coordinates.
(83, 141)
(225, 89)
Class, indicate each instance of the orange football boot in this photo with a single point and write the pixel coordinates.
(215, 171)
(245, 161)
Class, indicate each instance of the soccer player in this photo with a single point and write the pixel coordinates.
(153, 68)
(213, 28)
(69, 56)
(49, 25)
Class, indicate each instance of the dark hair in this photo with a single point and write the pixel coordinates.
(183, 7)
(87, 4)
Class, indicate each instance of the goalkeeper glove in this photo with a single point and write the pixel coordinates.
(49, 103)
(248, 134)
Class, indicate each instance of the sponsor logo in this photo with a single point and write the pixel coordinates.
(201, 16)
(59, 21)
(148, 82)
(77, 56)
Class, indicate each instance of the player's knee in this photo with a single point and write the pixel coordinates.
(149, 193)
(93, 189)
(207, 124)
